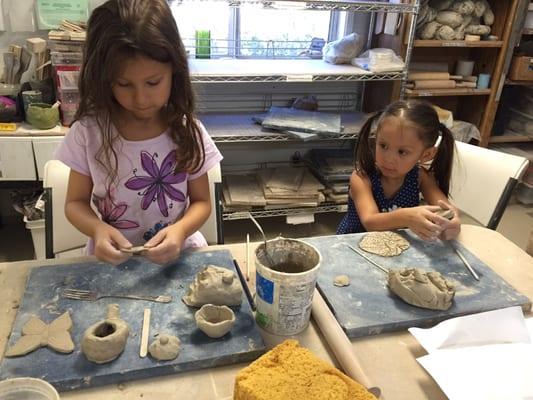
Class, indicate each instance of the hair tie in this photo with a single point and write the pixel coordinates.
(437, 142)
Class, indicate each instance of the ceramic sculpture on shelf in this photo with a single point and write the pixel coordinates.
(104, 341)
(35, 334)
(452, 20)
(214, 285)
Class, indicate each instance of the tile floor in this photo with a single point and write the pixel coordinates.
(516, 224)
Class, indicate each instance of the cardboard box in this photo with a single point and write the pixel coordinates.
(521, 68)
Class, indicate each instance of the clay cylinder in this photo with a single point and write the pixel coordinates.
(426, 75)
(104, 341)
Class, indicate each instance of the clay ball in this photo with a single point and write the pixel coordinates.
(214, 321)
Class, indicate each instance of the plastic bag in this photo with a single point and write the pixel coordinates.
(379, 60)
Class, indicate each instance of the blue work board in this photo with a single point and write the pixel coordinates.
(367, 307)
(135, 276)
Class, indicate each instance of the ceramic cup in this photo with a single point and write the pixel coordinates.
(42, 115)
(483, 81)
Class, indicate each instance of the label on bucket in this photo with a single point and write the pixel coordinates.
(265, 288)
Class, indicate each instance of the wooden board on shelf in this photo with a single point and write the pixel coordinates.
(510, 138)
(457, 43)
(446, 92)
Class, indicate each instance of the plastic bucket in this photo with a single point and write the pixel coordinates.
(27, 388)
(285, 282)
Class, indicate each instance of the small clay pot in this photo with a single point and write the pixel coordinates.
(42, 115)
(214, 321)
(104, 341)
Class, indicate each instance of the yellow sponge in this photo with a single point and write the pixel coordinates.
(291, 372)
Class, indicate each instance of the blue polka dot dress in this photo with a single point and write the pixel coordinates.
(407, 196)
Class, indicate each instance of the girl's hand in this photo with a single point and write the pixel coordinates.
(165, 246)
(423, 221)
(452, 227)
(107, 241)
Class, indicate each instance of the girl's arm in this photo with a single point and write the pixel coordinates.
(107, 239)
(166, 244)
(434, 196)
(418, 219)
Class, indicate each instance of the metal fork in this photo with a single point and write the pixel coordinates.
(90, 295)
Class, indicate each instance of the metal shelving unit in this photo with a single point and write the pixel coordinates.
(234, 128)
(283, 212)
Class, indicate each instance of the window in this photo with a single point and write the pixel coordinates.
(250, 31)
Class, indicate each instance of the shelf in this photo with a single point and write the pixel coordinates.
(521, 83)
(527, 31)
(458, 43)
(253, 70)
(223, 127)
(360, 6)
(510, 138)
(446, 92)
(280, 212)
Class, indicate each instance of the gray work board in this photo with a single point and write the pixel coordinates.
(135, 276)
(367, 307)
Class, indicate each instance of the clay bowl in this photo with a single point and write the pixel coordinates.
(214, 321)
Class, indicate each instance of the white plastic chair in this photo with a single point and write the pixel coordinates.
(483, 180)
(62, 237)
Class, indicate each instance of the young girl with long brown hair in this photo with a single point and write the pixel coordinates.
(136, 151)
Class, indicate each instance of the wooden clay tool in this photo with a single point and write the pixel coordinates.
(145, 333)
(339, 343)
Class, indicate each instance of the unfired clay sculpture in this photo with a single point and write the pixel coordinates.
(165, 347)
(104, 341)
(35, 334)
(386, 244)
(214, 285)
(422, 289)
(214, 321)
(341, 280)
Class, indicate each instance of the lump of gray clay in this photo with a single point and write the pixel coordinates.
(214, 321)
(165, 347)
(422, 289)
(341, 280)
(214, 285)
(104, 341)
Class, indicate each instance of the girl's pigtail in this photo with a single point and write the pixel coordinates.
(364, 157)
(443, 161)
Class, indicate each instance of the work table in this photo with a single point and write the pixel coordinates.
(389, 360)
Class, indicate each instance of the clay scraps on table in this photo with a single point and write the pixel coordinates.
(214, 285)
(341, 280)
(36, 333)
(385, 244)
(422, 289)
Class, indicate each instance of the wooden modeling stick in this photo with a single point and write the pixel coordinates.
(339, 343)
(145, 333)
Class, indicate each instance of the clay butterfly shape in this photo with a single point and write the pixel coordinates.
(35, 334)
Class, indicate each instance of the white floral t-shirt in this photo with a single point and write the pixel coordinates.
(147, 195)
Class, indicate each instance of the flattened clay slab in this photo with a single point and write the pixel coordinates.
(422, 289)
(36, 333)
(214, 285)
(134, 249)
(385, 244)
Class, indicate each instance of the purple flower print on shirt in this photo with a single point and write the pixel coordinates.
(158, 184)
(111, 212)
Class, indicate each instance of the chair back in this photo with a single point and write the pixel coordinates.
(483, 180)
(60, 234)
